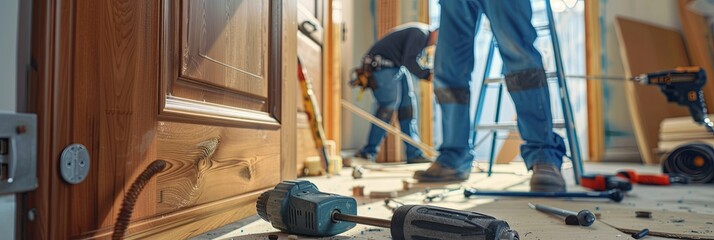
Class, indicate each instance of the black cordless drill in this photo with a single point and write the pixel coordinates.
(298, 207)
(682, 85)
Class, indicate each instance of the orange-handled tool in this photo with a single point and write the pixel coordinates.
(652, 179)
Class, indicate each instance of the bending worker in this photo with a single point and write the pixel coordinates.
(543, 150)
(389, 65)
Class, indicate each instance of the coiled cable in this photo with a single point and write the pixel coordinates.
(695, 161)
(127, 206)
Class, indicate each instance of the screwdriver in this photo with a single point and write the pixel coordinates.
(430, 222)
(583, 218)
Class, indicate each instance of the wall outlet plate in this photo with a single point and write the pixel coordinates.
(74, 163)
(18, 152)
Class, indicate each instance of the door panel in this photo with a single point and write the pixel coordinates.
(111, 76)
(223, 44)
(216, 52)
(208, 163)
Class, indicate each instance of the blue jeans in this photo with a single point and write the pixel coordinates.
(525, 80)
(394, 94)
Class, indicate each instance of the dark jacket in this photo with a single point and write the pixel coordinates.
(403, 46)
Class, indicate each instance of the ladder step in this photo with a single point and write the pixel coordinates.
(512, 126)
(548, 75)
(542, 27)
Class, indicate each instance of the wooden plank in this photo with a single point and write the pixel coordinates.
(648, 48)
(388, 16)
(332, 114)
(40, 102)
(426, 89)
(700, 44)
(288, 107)
(426, 106)
(596, 128)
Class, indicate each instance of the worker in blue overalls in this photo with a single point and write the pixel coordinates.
(525, 78)
(390, 63)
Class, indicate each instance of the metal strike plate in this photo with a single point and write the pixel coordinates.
(74, 163)
(18, 152)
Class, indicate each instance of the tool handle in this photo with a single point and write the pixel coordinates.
(647, 179)
(594, 182)
(653, 179)
(430, 222)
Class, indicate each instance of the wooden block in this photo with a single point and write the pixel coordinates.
(648, 48)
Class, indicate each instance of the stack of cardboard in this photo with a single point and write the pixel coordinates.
(682, 130)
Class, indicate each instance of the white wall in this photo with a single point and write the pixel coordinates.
(8, 70)
(620, 142)
(360, 35)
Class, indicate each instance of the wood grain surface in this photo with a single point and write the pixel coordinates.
(103, 76)
(700, 44)
(208, 163)
(663, 49)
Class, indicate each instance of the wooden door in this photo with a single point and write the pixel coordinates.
(206, 85)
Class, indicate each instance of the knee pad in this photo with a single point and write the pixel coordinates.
(385, 114)
(405, 113)
(460, 95)
(526, 80)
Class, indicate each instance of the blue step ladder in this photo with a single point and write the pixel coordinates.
(568, 123)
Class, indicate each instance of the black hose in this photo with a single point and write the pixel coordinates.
(127, 206)
(695, 161)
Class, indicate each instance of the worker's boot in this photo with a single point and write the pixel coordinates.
(547, 178)
(439, 173)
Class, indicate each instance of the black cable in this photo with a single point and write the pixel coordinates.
(127, 206)
(695, 161)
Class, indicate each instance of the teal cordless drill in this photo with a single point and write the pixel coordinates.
(298, 207)
(682, 85)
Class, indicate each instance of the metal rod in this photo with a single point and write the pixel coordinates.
(600, 77)
(614, 194)
(362, 220)
(552, 210)
(379, 123)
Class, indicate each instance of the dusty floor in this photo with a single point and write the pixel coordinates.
(530, 224)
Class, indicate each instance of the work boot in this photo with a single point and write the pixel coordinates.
(365, 156)
(547, 178)
(419, 159)
(439, 173)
